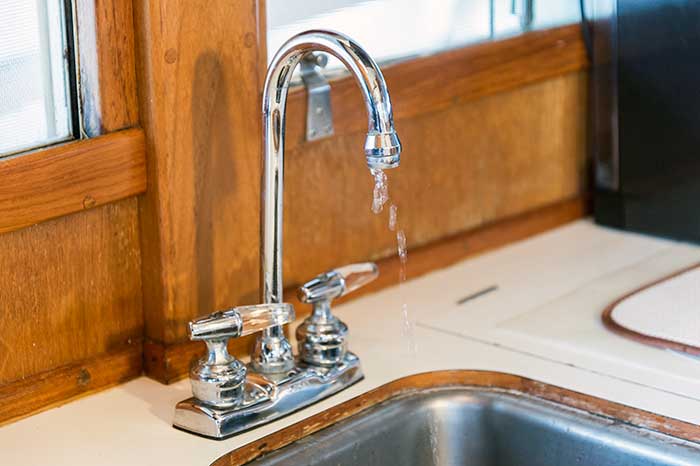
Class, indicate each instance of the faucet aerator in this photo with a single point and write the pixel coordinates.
(383, 150)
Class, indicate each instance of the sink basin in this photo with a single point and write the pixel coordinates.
(480, 426)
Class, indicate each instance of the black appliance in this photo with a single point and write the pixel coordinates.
(645, 103)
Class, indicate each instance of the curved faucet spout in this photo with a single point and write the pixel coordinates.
(382, 145)
(382, 150)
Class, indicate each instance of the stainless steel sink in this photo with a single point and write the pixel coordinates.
(481, 427)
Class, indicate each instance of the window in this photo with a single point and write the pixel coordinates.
(393, 30)
(35, 90)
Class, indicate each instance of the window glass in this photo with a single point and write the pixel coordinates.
(392, 30)
(35, 99)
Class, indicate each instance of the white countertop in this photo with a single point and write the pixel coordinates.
(542, 322)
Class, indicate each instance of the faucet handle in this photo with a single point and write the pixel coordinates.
(337, 282)
(322, 337)
(218, 378)
(240, 321)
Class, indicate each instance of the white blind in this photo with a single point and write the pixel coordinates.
(34, 93)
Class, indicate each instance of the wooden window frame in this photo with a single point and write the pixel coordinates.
(109, 163)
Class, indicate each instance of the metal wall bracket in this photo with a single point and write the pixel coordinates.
(319, 116)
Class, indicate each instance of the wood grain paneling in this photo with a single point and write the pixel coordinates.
(169, 363)
(461, 168)
(71, 177)
(199, 68)
(106, 59)
(71, 290)
(460, 379)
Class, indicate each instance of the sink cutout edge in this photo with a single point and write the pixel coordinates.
(487, 380)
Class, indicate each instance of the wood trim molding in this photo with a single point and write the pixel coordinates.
(58, 386)
(169, 363)
(613, 325)
(433, 83)
(459, 378)
(71, 177)
(106, 65)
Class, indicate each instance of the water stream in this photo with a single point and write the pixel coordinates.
(380, 195)
(379, 199)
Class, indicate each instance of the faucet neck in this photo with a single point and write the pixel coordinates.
(381, 149)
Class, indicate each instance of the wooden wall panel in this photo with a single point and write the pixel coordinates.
(199, 68)
(71, 290)
(461, 168)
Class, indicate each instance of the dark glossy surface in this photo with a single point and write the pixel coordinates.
(647, 122)
(481, 428)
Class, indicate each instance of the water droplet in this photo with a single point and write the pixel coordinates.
(393, 216)
(401, 246)
(409, 330)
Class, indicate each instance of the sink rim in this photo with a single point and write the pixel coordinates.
(481, 380)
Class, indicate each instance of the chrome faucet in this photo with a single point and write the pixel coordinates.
(229, 397)
(272, 351)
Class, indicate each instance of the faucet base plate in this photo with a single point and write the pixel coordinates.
(267, 397)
